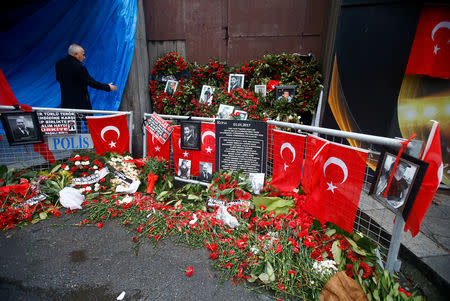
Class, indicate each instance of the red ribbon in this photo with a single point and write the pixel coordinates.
(151, 182)
(402, 149)
(139, 162)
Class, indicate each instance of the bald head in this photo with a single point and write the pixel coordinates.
(77, 52)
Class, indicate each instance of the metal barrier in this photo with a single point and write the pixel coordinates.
(371, 225)
(29, 155)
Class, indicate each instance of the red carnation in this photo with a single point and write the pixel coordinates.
(189, 271)
(99, 225)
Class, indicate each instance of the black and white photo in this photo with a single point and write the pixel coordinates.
(235, 81)
(207, 94)
(405, 180)
(285, 93)
(184, 168)
(257, 181)
(171, 87)
(190, 135)
(22, 128)
(240, 114)
(224, 111)
(205, 172)
(260, 90)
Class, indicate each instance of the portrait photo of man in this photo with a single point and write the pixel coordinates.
(22, 129)
(400, 184)
(240, 115)
(205, 172)
(190, 135)
(207, 94)
(171, 87)
(184, 168)
(285, 93)
(224, 111)
(235, 81)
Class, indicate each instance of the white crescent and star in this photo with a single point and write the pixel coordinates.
(109, 128)
(208, 133)
(111, 144)
(443, 24)
(339, 163)
(291, 148)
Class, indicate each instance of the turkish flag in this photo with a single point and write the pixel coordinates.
(186, 154)
(288, 150)
(157, 149)
(430, 52)
(109, 133)
(337, 184)
(433, 176)
(7, 97)
(208, 147)
(314, 145)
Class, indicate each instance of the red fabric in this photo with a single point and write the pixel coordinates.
(7, 97)
(109, 133)
(337, 184)
(208, 146)
(430, 52)
(313, 145)
(152, 178)
(186, 154)
(25, 108)
(433, 176)
(156, 149)
(44, 151)
(288, 150)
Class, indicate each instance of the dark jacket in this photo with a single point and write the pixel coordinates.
(73, 79)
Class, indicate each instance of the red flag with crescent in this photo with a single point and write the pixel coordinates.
(186, 154)
(314, 145)
(157, 149)
(208, 146)
(288, 150)
(430, 183)
(109, 133)
(337, 189)
(430, 52)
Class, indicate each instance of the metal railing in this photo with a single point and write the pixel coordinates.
(30, 155)
(371, 214)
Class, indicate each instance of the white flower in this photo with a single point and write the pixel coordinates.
(96, 186)
(95, 167)
(85, 162)
(66, 168)
(89, 188)
(77, 163)
(325, 267)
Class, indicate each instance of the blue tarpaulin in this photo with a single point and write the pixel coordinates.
(30, 48)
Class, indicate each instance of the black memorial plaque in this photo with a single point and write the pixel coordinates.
(241, 144)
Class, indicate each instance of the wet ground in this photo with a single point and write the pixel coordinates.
(56, 260)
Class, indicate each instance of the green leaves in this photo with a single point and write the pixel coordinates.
(276, 204)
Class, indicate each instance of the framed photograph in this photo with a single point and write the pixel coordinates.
(190, 135)
(184, 168)
(22, 128)
(405, 184)
(235, 81)
(257, 181)
(171, 87)
(205, 172)
(240, 115)
(224, 111)
(207, 94)
(260, 90)
(285, 92)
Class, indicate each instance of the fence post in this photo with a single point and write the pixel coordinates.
(392, 263)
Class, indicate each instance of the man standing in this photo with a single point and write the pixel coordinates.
(74, 78)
